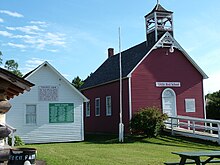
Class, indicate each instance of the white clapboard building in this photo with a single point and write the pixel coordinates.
(51, 112)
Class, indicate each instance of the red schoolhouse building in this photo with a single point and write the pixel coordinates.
(157, 72)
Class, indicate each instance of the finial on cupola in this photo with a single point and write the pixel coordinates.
(158, 1)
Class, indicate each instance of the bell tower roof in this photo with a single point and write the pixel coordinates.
(158, 8)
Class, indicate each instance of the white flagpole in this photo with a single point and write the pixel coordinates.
(121, 125)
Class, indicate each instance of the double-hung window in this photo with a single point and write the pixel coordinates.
(108, 105)
(97, 107)
(31, 113)
(87, 109)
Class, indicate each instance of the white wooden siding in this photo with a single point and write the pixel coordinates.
(43, 131)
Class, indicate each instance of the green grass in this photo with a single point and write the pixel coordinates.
(105, 150)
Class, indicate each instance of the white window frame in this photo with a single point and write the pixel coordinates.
(97, 107)
(108, 103)
(88, 109)
(174, 112)
(31, 114)
(190, 105)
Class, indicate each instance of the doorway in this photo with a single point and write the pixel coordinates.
(169, 102)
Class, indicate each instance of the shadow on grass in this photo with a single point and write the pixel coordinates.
(164, 140)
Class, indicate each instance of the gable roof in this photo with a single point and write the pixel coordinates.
(131, 59)
(109, 70)
(59, 75)
(13, 85)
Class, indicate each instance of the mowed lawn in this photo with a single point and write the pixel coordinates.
(105, 150)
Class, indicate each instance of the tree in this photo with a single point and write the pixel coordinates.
(77, 82)
(12, 66)
(213, 105)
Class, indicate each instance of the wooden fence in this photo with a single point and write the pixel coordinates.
(205, 129)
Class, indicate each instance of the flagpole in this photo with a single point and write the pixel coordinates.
(121, 125)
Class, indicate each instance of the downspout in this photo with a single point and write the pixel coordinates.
(204, 101)
(129, 97)
(82, 123)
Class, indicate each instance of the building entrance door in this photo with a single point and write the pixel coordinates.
(169, 102)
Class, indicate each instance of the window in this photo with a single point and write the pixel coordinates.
(31, 114)
(190, 105)
(108, 106)
(97, 107)
(87, 109)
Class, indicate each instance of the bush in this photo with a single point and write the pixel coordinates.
(149, 121)
(18, 141)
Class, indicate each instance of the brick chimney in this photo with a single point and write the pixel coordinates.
(110, 52)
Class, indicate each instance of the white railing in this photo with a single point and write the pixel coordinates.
(13, 130)
(201, 128)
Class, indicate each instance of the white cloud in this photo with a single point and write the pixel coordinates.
(5, 34)
(32, 64)
(40, 23)
(52, 50)
(16, 45)
(36, 35)
(10, 13)
(24, 37)
(55, 39)
(1, 20)
(26, 29)
(42, 40)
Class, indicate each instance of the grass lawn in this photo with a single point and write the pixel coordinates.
(105, 150)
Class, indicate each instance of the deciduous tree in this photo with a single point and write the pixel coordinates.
(213, 105)
(77, 82)
(11, 66)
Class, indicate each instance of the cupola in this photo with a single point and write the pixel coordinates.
(158, 22)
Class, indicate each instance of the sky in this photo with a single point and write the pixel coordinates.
(74, 35)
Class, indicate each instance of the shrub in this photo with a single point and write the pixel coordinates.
(149, 121)
(18, 141)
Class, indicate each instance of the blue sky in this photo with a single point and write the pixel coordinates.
(74, 35)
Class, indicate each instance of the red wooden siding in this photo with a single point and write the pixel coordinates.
(103, 123)
(174, 67)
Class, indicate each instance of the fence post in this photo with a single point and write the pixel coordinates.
(218, 133)
(194, 128)
(188, 124)
(211, 131)
(172, 132)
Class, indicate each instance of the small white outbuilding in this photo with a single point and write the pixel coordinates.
(51, 112)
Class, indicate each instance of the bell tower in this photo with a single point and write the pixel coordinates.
(158, 22)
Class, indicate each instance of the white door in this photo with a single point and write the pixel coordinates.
(169, 102)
